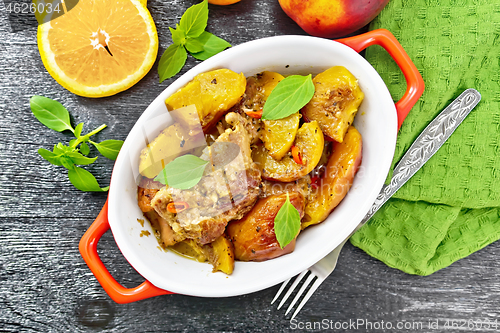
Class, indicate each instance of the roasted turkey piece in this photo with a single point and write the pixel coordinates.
(224, 193)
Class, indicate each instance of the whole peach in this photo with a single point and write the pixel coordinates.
(332, 18)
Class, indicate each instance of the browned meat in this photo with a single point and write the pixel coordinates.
(252, 125)
(253, 236)
(226, 192)
(253, 100)
(166, 235)
(146, 190)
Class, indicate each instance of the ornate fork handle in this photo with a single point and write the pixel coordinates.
(426, 144)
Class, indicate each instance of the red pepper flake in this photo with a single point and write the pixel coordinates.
(315, 180)
(254, 114)
(297, 156)
(177, 207)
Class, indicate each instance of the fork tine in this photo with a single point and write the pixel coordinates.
(292, 288)
(301, 291)
(281, 290)
(311, 291)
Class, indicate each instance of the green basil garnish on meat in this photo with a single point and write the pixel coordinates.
(182, 173)
(286, 223)
(288, 97)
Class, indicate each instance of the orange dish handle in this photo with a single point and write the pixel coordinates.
(88, 250)
(414, 81)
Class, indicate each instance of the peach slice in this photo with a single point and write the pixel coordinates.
(253, 236)
(337, 180)
(309, 142)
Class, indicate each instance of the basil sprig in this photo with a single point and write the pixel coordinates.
(286, 223)
(190, 36)
(288, 97)
(54, 115)
(183, 172)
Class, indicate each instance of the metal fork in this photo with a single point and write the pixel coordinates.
(321, 270)
(422, 149)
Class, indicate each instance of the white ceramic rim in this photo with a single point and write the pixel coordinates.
(376, 120)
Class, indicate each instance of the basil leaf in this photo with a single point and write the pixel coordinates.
(51, 113)
(67, 162)
(57, 150)
(172, 61)
(183, 173)
(193, 45)
(211, 45)
(288, 97)
(286, 223)
(178, 36)
(61, 149)
(78, 158)
(78, 130)
(50, 156)
(162, 177)
(190, 35)
(84, 180)
(84, 148)
(194, 20)
(109, 148)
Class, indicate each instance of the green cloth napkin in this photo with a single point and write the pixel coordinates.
(451, 207)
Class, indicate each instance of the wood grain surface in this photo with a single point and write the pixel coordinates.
(45, 286)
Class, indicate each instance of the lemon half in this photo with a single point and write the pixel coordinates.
(100, 47)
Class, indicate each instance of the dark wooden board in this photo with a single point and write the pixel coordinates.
(45, 286)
